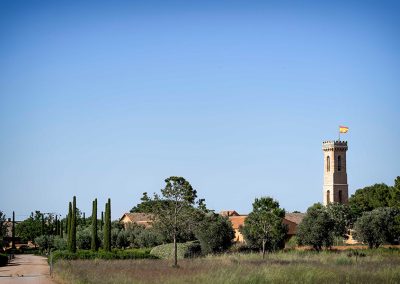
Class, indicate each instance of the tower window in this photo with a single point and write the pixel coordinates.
(340, 197)
(339, 163)
(328, 197)
(328, 164)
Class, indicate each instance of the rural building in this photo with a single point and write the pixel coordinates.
(292, 220)
(136, 218)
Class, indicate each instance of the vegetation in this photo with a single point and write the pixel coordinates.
(378, 226)
(377, 266)
(107, 227)
(317, 228)
(375, 196)
(72, 227)
(173, 209)
(3, 227)
(94, 244)
(214, 233)
(263, 228)
(185, 250)
(101, 254)
(3, 259)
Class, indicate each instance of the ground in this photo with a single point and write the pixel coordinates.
(26, 268)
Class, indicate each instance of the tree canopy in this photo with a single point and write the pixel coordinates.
(263, 227)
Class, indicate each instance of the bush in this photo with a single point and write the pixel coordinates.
(84, 238)
(114, 254)
(185, 250)
(3, 259)
(59, 243)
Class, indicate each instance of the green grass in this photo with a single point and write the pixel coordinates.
(377, 266)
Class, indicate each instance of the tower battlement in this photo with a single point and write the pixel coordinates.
(334, 145)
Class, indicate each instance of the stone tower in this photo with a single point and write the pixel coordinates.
(336, 188)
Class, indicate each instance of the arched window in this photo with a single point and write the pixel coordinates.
(328, 197)
(339, 163)
(328, 164)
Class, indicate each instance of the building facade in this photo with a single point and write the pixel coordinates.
(335, 187)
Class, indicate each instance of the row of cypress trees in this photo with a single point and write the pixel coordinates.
(71, 226)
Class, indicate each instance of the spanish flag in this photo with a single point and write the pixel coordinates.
(343, 129)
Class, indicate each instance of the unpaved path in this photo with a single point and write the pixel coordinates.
(26, 268)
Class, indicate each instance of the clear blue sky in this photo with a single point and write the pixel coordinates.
(107, 99)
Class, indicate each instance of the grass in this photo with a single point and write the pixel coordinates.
(377, 266)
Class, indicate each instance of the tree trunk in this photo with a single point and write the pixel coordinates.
(175, 252)
(263, 249)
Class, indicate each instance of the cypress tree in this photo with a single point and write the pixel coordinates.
(69, 226)
(94, 243)
(56, 228)
(61, 229)
(102, 220)
(107, 227)
(73, 226)
(13, 231)
(42, 224)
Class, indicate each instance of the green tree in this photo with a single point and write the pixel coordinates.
(30, 228)
(107, 227)
(173, 209)
(94, 242)
(263, 227)
(342, 217)
(215, 233)
(378, 226)
(317, 228)
(72, 228)
(3, 226)
(83, 237)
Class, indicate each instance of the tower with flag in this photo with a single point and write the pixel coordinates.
(335, 187)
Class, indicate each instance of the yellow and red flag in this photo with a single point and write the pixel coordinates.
(343, 129)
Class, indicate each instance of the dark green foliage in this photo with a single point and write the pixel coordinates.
(30, 228)
(94, 241)
(13, 231)
(69, 218)
(3, 227)
(3, 259)
(114, 254)
(263, 228)
(215, 233)
(317, 228)
(378, 226)
(375, 196)
(72, 228)
(107, 227)
(184, 250)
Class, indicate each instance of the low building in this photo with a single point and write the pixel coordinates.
(292, 220)
(144, 219)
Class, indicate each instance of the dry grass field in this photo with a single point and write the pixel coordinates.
(377, 266)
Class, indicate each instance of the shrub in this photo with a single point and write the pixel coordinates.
(59, 243)
(185, 250)
(44, 242)
(3, 259)
(101, 254)
(84, 238)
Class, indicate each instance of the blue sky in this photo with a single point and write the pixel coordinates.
(107, 99)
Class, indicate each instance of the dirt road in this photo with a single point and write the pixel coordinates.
(26, 268)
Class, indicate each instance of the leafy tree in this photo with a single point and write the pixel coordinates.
(342, 217)
(375, 196)
(173, 209)
(60, 243)
(83, 238)
(45, 242)
(317, 228)
(30, 228)
(215, 233)
(263, 227)
(378, 226)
